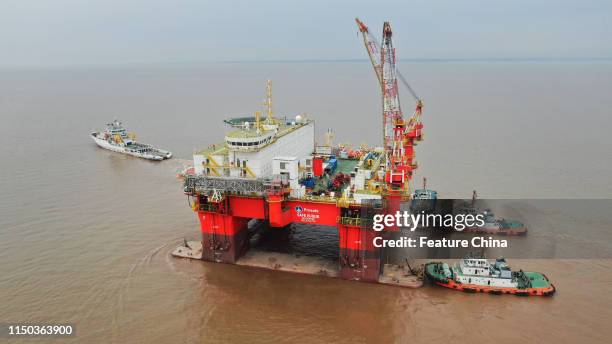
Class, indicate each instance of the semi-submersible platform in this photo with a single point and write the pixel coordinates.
(271, 169)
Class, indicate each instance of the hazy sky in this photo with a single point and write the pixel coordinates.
(66, 32)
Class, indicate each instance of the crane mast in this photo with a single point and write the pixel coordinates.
(392, 111)
(399, 136)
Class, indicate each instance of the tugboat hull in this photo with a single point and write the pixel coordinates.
(154, 154)
(435, 274)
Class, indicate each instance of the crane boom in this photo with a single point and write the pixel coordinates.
(399, 136)
(372, 47)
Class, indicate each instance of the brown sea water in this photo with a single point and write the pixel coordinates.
(85, 234)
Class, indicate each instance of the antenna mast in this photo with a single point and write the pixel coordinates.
(268, 103)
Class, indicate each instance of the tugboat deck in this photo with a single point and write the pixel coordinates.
(537, 280)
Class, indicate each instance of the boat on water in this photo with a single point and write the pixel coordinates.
(492, 224)
(424, 199)
(479, 275)
(115, 138)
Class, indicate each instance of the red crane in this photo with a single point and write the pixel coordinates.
(399, 136)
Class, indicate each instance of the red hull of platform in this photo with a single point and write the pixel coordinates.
(224, 230)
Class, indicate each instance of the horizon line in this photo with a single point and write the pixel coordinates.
(335, 60)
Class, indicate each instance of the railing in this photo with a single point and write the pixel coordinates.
(405, 195)
(206, 184)
(315, 198)
(244, 170)
(345, 203)
(210, 207)
(354, 221)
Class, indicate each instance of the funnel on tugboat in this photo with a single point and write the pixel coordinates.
(478, 275)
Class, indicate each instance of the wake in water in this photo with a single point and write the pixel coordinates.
(122, 289)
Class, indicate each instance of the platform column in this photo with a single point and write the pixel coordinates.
(275, 210)
(359, 258)
(224, 237)
(392, 205)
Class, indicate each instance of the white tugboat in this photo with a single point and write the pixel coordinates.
(478, 275)
(117, 139)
